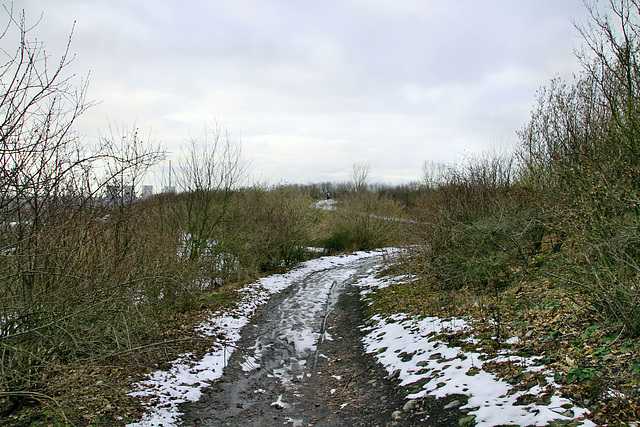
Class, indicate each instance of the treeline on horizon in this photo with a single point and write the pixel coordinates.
(87, 283)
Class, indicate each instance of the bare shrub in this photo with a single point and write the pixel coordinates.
(68, 295)
(365, 220)
(582, 156)
(270, 228)
(477, 225)
(210, 168)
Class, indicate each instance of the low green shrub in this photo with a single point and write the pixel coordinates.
(479, 228)
(362, 221)
(268, 228)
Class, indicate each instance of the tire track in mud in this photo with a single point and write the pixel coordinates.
(300, 362)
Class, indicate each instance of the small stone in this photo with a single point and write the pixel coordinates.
(395, 374)
(410, 405)
(396, 415)
(466, 420)
(453, 404)
(239, 405)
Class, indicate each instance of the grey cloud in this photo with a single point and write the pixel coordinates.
(423, 79)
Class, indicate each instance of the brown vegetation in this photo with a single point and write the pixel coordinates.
(95, 283)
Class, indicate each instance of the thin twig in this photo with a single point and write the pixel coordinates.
(154, 344)
(619, 335)
(352, 377)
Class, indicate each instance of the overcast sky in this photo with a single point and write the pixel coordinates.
(312, 87)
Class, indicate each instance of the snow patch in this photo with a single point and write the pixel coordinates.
(409, 349)
(250, 364)
(280, 404)
(327, 205)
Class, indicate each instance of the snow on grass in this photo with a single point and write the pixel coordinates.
(412, 349)
(163, 391)
(328, 204)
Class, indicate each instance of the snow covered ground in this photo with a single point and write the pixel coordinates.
(327, 205)
(413, 350)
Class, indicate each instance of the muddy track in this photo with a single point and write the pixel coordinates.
(300, 362)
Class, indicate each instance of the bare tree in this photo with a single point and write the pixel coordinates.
(359, 176)
(434, 174)
(126, 158)
(211, 166)
(611, 63)
(41, 161)
(58, 286)
(38, 107)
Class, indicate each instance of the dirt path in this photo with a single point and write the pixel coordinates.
(300, 362)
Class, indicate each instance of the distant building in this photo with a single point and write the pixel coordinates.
(147, 191)
(117, 195)
(169, 189)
